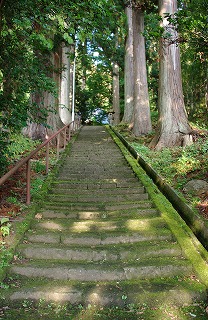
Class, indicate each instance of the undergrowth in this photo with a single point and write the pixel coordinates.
(177, 165)
(13, 191)
(20, 146)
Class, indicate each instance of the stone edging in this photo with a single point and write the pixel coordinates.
(197, 224)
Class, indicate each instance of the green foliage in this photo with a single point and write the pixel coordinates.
(4, 138)
(12, 199)
(5, 226)
(14, 147)
(36, 186)
(174, 164)
(31, 32)
(96, 90)
(20, 145)
(39, 166)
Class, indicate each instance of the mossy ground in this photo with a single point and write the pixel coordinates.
(49, 311)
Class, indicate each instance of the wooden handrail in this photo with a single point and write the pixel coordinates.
(26, 160)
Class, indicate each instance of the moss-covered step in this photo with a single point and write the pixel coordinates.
(88, 215)
(117, 191)
(104, 270)
(95, 168)
(125, 252)
(102, 171)
(154, 293)
(91, 238)
(151, 225)
(55, 198)
(96, 184)
(80, 206)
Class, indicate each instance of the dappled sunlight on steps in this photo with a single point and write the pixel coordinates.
(99, 239)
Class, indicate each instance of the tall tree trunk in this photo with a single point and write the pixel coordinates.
(116, 104)
(64, 110)
(71, 76)
(54, 121)
(36, 130)
(142, 120)
(128, 69)
(174, 128)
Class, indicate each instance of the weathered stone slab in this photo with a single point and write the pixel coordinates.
(44, 237)
(123, 206)
(196, 187)
(148, 272)
(64, 254)
(98, 198)
(66, 273)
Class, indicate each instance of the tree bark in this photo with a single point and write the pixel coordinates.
(128, 70)
(116, 104)
(56, 117)
(142, 120)
(71, 76)
(173, 126)
(54, 121)
(64, 108)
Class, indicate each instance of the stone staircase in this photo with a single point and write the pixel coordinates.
(99, 239)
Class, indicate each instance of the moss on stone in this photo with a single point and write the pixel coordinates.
(190, 245)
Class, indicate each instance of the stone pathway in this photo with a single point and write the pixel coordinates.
(99, 238)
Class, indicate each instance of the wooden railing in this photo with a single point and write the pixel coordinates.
(72, 127)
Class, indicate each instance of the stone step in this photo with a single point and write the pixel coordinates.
(81, 160)
(97, 176)
(128, 253)
(97, 168)
(88, 215)
(95, 185)
(103, 271)
(97, 207)
(89, 238)
(85, 192)
(55, 198)
(152, 225)
(151, 293)
(100, 180)
(101, 167)
(96, 192)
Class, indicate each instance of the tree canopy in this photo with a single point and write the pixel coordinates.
(31, 31)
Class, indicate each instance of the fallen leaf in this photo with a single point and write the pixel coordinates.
(38, 216)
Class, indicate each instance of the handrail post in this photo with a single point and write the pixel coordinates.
(28, 182)
(64, 138)
(47, 158)
(26, 160)
(69, 131)
(58, 145)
